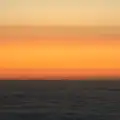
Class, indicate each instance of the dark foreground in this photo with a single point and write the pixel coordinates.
(60, 100)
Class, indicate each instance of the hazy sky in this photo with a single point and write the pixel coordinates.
(60, 12)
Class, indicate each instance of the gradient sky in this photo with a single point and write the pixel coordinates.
(25, 55)
(60, 12)
(57, 51)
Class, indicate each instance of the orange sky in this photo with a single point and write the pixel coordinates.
(64, 51)
(59, 57)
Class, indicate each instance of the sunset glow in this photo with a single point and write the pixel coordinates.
(59, 38)
(60, 57)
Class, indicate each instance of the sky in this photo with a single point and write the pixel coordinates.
(60, 12)
(59, 52)
(59, 57)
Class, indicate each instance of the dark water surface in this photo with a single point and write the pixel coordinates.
(59, 100)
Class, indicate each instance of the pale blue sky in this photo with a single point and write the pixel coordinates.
(60, 12)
